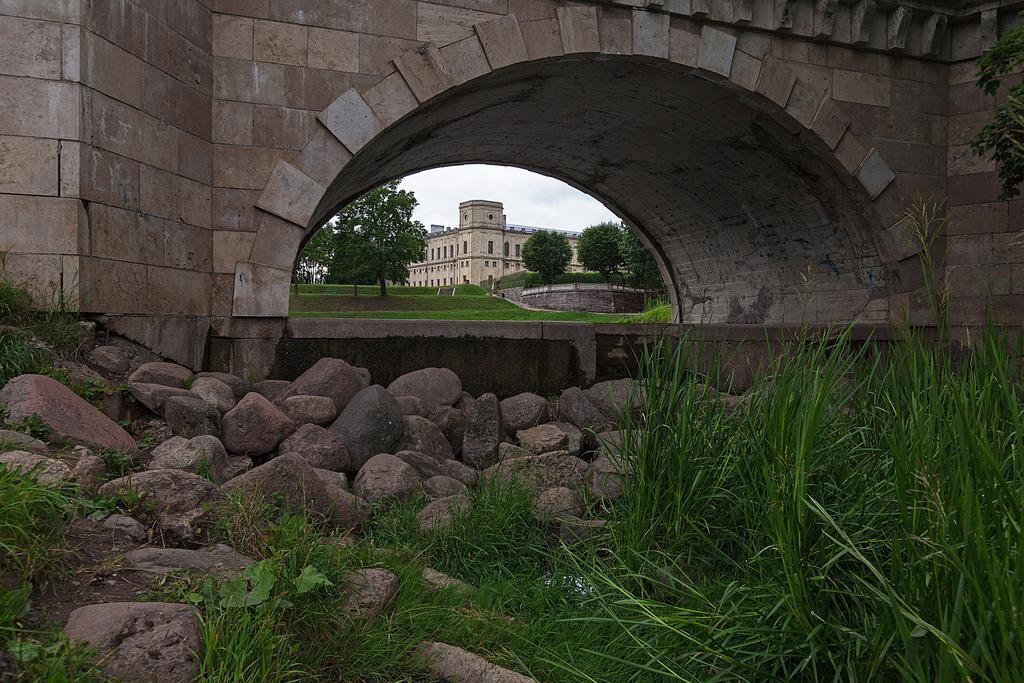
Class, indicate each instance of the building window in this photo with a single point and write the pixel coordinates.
(431, 253)
(465, 247)
(444, 251)
(506, 249)
(490, 247)
(517, 251)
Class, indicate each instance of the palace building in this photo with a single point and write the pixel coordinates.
(480, 251)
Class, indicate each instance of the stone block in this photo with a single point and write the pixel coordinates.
(291, 194)
(28, 166)
(616, 27)
(30, 48)
(829, 124)
(280, 43)
(541, 37)
(52, 10)
(580, 32)
(245, 168)
(44, 276)
(195, 157)
(109, 178)
(125, 235)
(158, 193)
(684, 41)
(377, 54)
(232, 122)
(177, 292)
(233, 36)
(442, 24)
(110, 286)
(187, 247)
(323, 157)
(976, 219)
(351, 120)
(234, 209)
(745, 70)
(853, 86)
(246, 81)
(531, 10)
(502, 41)
(334, 50)
(111, 70)
(851, 152)
(282, 127)
(277, 243)
(260, 292)
(804, 102)
(391, 99)
(194, 203)
(716, 51)
(396, 18)
(425, 71)
(651, 34)
(42, 225)
(777, 81)
(37, 108)
(230, 249)
(466, 60)
(993, 279)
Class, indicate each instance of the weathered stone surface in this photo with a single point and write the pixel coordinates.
(523, 411)
(605, 478)
(320, 447)
(434, 387)
(484, 431)
(507, 451)
(68, 418)
(128, 527)
(290, 480)
(330, 377)
(198, 453)
(370, 592)
(573, 530)
(216, 393)
(177, 453)
(371, 423)
(541, 472)
(89, 472)
(410, 405)
(612, 398)
(332, 478)
(575, 408)
(154, 396)
(429, 466)
(423, 436)
(557, 503)
(575, 437)
(22, 442)
(217, 560)
(317, 410)
(191, 416)
(440, 486)
(439, 514)
(543, 439)
(140, 641)
(452, 422)
(255, 426)
(113, 360)
(45, 470)
(450, 663)
(167, 374)
(386, 476)
(271, 389)
(238, 385)
(181, 501)
(439, 581)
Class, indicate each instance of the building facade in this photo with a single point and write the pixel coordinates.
(482, 250)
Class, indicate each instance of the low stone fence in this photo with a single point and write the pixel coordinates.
(579, 296)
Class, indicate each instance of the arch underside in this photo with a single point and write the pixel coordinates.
(751, 218)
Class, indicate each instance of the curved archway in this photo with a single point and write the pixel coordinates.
(744, 183)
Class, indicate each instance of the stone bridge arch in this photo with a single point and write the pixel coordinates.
(738, 171)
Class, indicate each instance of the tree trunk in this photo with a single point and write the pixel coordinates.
(355, 289)
(383, 286)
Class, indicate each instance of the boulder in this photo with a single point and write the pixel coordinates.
(540, 472)
(181, 502)
(332, 378)
(371, 423)
(450, 663)
(386, 476)
(423, 436)
(605, 478)
(176, 453)
(452, 422)
(543, 439)
(575, 408)
(611, 398)
(318, 446)
(428, 466)
(434, 387)
(484, 432)
(191, 416)
(439, 581)
(441, 486)
(68, 418)
(410, 405)
(557, 503)
(18, 441)
(154, 396)
(216, 393)
(572, 530)
(167, 374)
(196, 453)
(255, 426)
(89, 472)
(369, 592)
(332, 478)
(239, 387)
(271, 389)
(291, 481)
(126, 527)
(317, 410)
(217, 560)
(523, 411)
(465, 402)
(44, 470)
(575, 446)
(140, 641)
(113, 360)
(439, 514)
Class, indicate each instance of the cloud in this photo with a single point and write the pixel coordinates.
(529, 198)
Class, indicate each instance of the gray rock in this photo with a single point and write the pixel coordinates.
(192, 416)
(126, 526)
(318, 446)
(557, 503)
(291, 481)
(507, 451)
(369, 593)
(332, 378)
(439, 581)
(167, 374)
(540, 472)
(154, 396)
(216, 393)
(332, 478)
(428, 466)
(218, 560)
(484, 432)
(465, 402)
(575, 408)
(140, 641)
(371, 423)
(452, 422)
(45, 470)
(611, 398)
(239, 387)
(574, 530)
(18, 441)
(434, 387)
(439, 514)
(89, 472)
(177, 453)
(386, 476)
(182, 502)
(317, 410)
(606, 477)
(575, 446)
(423, 436)
(271, 389)
(441, 486)
(410, 405)
(523, 411)
(255, 426)
(450, 663)
(113, 360)
(543, 439)
(196, 453)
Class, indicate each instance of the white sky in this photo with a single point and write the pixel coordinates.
(529, 198)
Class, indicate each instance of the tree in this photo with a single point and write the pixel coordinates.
(316, 256)
(639, 262)
(1003, 139)
(381, 235)
(348, 261)
(599, 249)
(547, 253)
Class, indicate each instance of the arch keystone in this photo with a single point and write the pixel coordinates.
(351, 120)
(290, 194)
(502, 41)
(425, 71)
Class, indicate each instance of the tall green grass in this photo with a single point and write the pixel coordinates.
(860, 518)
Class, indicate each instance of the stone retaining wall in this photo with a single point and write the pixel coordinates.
(593, 298)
